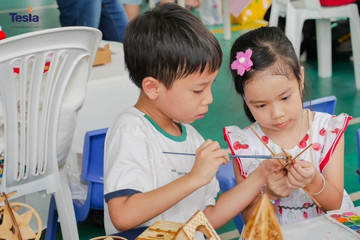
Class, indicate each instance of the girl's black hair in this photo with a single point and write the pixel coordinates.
(271, 49)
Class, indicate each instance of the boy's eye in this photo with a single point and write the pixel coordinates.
(260, 106)
(198, 91)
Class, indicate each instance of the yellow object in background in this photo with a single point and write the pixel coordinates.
(254, 12)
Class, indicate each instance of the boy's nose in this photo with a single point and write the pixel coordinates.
(208, 98)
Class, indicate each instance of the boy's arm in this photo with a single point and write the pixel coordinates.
(130, 211)
(239, 198)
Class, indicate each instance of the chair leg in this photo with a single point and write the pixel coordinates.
(323, 43)
(355, 36)
(226, 20)
(181, 3)
(65, 208)
(239, 223)
(274, 16)
(152, 3)
(293, 29)
(52, 221)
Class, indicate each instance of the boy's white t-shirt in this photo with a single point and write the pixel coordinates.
(134, 162)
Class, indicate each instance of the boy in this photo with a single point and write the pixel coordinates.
(173, 59)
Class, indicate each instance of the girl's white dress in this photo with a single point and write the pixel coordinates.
(325, 133)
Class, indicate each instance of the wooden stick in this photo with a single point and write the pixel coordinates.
(15, 225)
(303, 151)
(257, 135)
(312, 198)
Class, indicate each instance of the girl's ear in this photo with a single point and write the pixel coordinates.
(302, 79)
(150, 86)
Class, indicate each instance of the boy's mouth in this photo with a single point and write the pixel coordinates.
(200, 116)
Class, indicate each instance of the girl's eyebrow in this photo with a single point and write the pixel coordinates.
(262, 101)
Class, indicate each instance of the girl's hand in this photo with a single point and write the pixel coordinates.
(300, 174)
(208, 158)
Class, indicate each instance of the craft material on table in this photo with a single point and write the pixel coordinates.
(179, 231)
(108, 238)
(15, 219)
(346, 219)
(263, 224)
(319, 228)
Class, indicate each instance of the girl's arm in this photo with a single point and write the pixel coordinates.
(234, 201)
(128, 212)
(329, 193)
(332, 195)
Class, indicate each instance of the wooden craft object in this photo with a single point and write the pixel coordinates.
(200, 223)
(289, 160)
(263, 224)
(161, 230)
(102, 56)
(178, 231)
(108, 238)
(15, 226)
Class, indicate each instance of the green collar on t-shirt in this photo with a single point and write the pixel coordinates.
(180, 138)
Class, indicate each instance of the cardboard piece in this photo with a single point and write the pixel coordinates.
(103, 56)
(263, 224)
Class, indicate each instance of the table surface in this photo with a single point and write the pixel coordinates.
(319, 228)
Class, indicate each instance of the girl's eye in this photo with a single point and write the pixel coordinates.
(198, 91)
(285, 98)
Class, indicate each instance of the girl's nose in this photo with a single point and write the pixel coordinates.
(277, 112)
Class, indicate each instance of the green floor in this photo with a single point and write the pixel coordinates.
(227, 107)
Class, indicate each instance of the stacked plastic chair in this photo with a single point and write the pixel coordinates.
(92, 173)
(37, 69)
(298, 11)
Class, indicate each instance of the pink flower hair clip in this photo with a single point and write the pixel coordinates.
(243, 62)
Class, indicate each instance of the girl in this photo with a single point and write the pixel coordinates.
(269, 78)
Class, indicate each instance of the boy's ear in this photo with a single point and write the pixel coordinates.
(150, 86)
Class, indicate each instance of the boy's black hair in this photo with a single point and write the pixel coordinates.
(271, 50)
(168, 43)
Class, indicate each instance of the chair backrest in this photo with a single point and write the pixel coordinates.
(36, 70)
(226, 178)
(324, 104)
(358, 147)
(93, 166)
(312, 4)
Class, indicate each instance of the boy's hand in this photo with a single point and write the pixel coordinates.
(270, 166)
(208, 158)
(275, 180)
(300, 174)
(276, 185)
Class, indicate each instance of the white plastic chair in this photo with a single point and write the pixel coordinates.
(152, 3)
(36, 70)
(298, 11)
(226, 19)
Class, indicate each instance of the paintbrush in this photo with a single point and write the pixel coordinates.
(233, 156)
